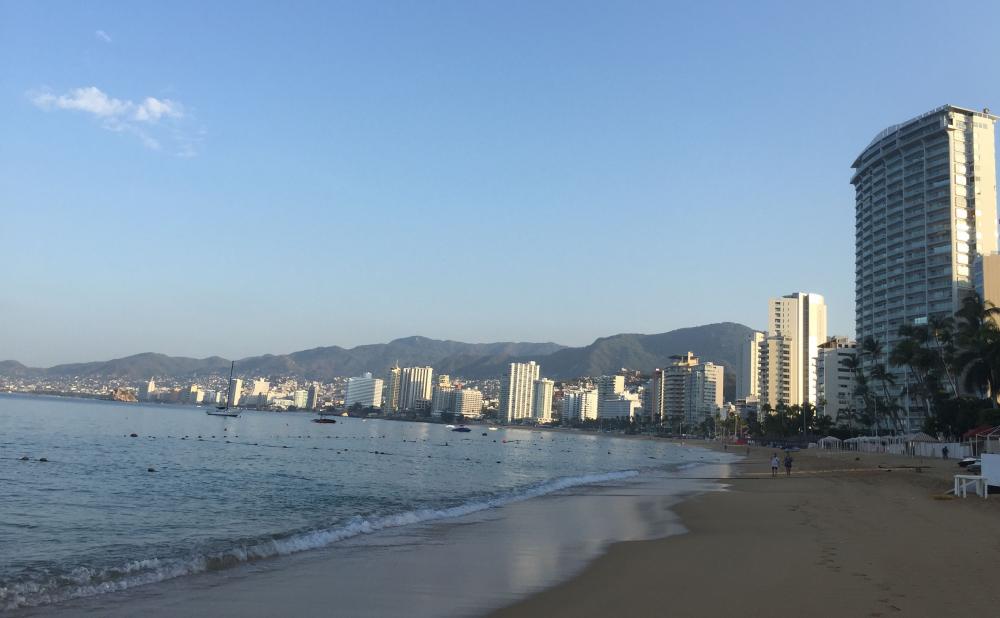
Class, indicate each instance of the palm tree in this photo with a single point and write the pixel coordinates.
(942, 336)
(979, 337)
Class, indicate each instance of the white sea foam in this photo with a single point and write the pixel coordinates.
(83, 582)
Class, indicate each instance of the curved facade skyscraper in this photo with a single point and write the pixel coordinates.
(925, 209)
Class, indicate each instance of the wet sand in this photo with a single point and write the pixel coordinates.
(840, 537)
(461, 567)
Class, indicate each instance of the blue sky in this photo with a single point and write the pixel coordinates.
(231, 178)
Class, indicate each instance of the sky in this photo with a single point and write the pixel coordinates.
(233, 178)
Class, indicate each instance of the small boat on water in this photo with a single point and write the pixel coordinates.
(324, 417)
(224, 410)
(494, 428)
(462, 429)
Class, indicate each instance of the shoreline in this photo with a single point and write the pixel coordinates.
(841, 537)
(464, 566)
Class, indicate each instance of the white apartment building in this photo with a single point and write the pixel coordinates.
(835, 387)
(925, 210)
(443, 399)
(691, 391)
(364, 390)
(796, 328)
(542, 400)
(415, 386)
(579, 404)
(313, 402)
(654, 396)
(393, 382)
(626, 405)
(517, 390)
(468, 402)
(147, 391)
(235, 392)
(300, 399)
(609, 387)
(748, 371)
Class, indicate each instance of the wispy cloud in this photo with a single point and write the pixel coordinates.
(139, 119)
(102, 36)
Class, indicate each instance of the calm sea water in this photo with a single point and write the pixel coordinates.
(93, 519)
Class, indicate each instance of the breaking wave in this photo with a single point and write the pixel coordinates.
(84, 581)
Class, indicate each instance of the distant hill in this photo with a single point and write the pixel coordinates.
(718, 343)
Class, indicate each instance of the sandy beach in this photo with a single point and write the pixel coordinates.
(845, 535)
(841, 537)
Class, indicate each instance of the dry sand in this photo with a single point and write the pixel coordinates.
(840, 537)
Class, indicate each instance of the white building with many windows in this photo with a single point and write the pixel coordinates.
(796, 328)
(835, 387)
(925, 210)
(542, 400)
(364, 390)
(416, 386)
(517, 392)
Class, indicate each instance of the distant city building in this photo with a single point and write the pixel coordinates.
(212, 396)
(193, 394)
(259, 392)
(835, 389)
(579, 404)
(147, 391)
(393, 382)
(235, 392)
(517, 391)
(312, 402)
(542, 400)
(691, 392)
(443, 380)
(443, 399)
(609, 387)
(654, 400)
(416, 384)
(364, 390)
(300, 399)
(468, 402)
(626, 405)
(748, 370)
(925, 210)
(796, 328)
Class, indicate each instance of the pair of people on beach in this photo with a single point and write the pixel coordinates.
(775, 463)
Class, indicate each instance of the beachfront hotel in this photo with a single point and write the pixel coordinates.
(416, 387)
(835, 381)
(925, 211)
(393, 381)
(787, 359)
(517, 391)
(364, 390)
(542, 404)
(748, 370)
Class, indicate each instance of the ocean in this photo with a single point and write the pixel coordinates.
(225, 492)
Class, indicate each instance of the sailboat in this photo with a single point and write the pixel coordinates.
(224, 410)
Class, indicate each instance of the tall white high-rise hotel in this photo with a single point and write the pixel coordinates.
(925, 212)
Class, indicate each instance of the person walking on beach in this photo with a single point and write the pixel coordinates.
(788, 464)
(774, 465)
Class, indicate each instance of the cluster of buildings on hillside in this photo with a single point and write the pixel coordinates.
(259, 393)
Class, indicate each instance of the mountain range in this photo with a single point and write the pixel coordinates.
(718, 343)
